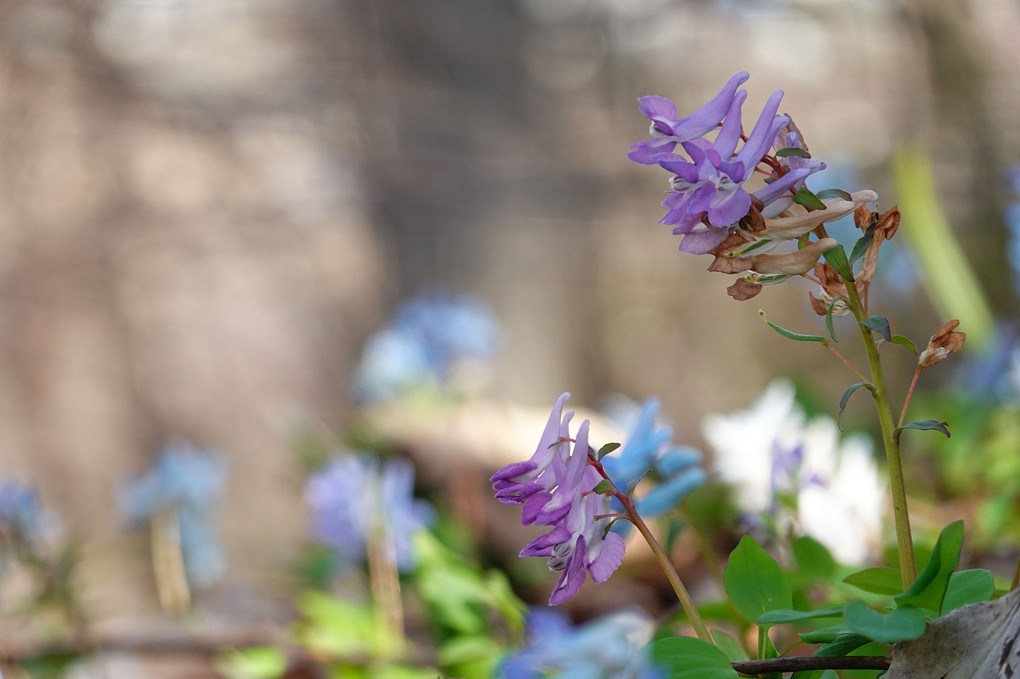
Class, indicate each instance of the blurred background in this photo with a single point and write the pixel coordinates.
(208, 206)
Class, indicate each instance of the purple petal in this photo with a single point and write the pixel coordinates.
(504, 475)
(573, 576)
(654, 106)
(729, 133)
(644, 152)
(609, 557)
(702, 242)
(764, 132)
(771, 192)
(543, 544)
(711, 114)
(727, 210)
(533, 507)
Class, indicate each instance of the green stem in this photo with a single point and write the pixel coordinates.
(686, 602)
(904, 541)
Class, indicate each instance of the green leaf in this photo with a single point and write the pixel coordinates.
(603, 486)
(606, 449)
(903, 341)
(836, 257)
(800, 153)
(929, 588)
(841, 645)
(790, 334)
(808, 199)
(834, 193)
(927, 425)
(846, 397)
(256, 662)
(781, 617)
(824, 635)
(691, 658)
(730, 646)
(464, 649)
(879, 324)
(900, 624)
(828, 317)
(813, 558)
(754, 581)
(861, 246)
(881, 580)
(968, 587)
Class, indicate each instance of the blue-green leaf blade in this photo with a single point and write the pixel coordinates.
(972, 586)
(754, 581)
(928, 590)
(691, 658)
(899, 624)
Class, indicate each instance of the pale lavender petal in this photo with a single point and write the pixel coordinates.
(703, 242)
(771, 192)
(711, 114)
(532, 508)
(644, 152)
(573, 576)
(657, 108)
(543, 544)
(729, 209)
(609, 558)
(764, 132)
(729, 133)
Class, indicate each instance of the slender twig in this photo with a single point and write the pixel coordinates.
(752, 668)
(686, 602)
(904, 540)
(835, 352)
(910, 392)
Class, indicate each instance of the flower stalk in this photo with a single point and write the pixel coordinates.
(904, 541)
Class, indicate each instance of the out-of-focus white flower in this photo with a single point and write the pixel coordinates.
(771, 450)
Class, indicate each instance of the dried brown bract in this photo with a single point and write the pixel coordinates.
(944, 342)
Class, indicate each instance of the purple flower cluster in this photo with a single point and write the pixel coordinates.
(554, 489)
(707, 191)
(355, 500)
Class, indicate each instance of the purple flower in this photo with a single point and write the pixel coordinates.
(554, 488)
(667, 131)
(353, 502)
(707, 191)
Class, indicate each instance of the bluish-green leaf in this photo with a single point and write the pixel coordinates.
(606, 449)
(928, 425)
(879, 324)
(824, 635)
(834, 193)
(828, 317)
(782, 617)
(846, 397)
(800, 153)
(880, 580)
(808, 199)
(603, 486)
(836, 257)
(691, 658)
(789, 334)
(900, 624)
(754, 581)
(928, 590)
(813, 558)
(903, 341)
(842, 645)
(972, 586)
(730, 646)
(861, 246)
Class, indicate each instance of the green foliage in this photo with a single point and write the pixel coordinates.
(789, 334)
(257, 662)
(813, 558)
(880, 580)
(879, 324)
(754, 581)
(967, 587)
(691, 658)
(836, 258)
(899, 624)
(928, 590)
(927, 425)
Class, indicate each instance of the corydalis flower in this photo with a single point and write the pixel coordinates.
(648, 447)
(554, 488)
(614, 646)
(354, 502)
(427, 338)
(188, 482)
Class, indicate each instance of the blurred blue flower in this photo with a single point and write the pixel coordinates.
(649, 446)
(1012, 218)
(22, 518)
(426, 338)
(188, 481)
(354, 501)
(612, 647)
